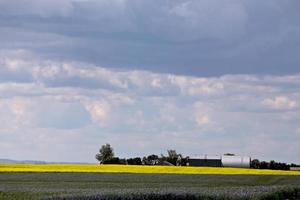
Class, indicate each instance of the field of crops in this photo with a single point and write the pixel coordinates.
(52, 185)
(93, 168)
(22, 181)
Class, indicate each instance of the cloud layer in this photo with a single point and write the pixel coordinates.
(75, 107)
(189, 37)
(200, 76)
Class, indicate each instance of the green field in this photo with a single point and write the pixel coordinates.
(43, 185)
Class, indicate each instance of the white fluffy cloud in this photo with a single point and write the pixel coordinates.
(15, 113)
(93, 105)
(280, 102)
(202, 120)
(99, 111)
(75, 74)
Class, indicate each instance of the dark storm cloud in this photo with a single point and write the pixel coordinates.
(206, 37)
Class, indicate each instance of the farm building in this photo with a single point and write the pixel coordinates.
(220, 161)
(295, 168)
(236, 161)
(208, 161)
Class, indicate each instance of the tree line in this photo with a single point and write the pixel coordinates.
(106, 156)
(256, 164)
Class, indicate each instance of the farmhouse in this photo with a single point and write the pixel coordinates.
(220, 161)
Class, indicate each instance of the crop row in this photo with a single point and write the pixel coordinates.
(291, 194)
(120, 186)
(91, 168)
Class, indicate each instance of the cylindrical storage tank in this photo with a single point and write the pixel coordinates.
(236, 161)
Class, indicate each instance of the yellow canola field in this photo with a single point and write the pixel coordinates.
(94, 168)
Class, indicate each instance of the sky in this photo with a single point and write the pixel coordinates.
(199, 76)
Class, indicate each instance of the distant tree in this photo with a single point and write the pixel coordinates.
(113, 160)
(264, 165)
(163, 157)
(279, 165)
(255, 164)
(145, 161)
(185, 161)
(172, 156)
(272, 164)
(152, 159)
(105, 154)
(294, 165)
(134, 161)
(179, 160)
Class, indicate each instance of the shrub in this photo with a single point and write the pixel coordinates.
(134, 161)
(114, 160)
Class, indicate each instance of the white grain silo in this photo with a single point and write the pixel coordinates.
(236, 161)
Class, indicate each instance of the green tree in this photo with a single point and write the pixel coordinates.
(153, 159)
(106, 153)
(134, 161)
(173, 156)
(255, 164)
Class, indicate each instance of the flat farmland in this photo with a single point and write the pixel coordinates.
(60, 185)
(140, 169)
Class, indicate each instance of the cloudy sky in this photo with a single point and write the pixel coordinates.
(198, 76)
